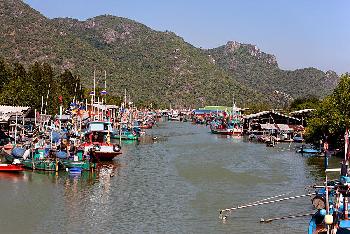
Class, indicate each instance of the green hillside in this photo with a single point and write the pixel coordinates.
(155, 67)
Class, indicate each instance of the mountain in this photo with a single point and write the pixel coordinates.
(155, 67)
(254, 68)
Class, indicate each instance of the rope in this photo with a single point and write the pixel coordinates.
(222, 216)
(284, 217)
(265, 199)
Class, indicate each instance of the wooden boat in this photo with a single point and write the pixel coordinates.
(225, 129)
(11, 167)
(97, 141)
(43, 164)
(332, 200)
(221, 130)
(174, 116)
(125, 135)
(308, 150)
(78, 161)
(298, 138)
(83, 164)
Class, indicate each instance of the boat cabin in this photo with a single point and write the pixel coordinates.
(99, 126)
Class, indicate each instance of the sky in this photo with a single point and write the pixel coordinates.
(300, 33)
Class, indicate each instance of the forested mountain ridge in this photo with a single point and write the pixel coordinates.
(155, 67)
(254, 68)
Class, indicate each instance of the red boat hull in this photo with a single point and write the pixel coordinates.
(103, 156)
(11, 167)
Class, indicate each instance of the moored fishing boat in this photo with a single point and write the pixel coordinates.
(332, 200)
(14, 167)
(125, 135)
(97, 141)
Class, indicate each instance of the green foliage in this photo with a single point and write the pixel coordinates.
(29, 88)
(332, 116)
(311, 102)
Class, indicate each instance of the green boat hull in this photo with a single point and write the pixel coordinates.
(125, 137)
(85, 165)
(43, 165)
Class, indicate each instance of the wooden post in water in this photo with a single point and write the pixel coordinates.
(34, 117)
(16, 130)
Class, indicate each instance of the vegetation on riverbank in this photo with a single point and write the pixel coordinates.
(332, 116)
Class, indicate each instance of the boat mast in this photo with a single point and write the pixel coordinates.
(105, 93)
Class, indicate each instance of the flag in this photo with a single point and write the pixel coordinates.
(103, 92)
(60, 99)
(92, 93)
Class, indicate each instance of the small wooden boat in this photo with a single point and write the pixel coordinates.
(11, 167)
(308, 150)
(82, 164)
(125, 135)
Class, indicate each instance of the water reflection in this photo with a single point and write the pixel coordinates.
(13, 177)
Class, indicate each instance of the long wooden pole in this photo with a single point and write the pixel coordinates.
(16, 130)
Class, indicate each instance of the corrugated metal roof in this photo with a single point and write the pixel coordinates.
(256, 115)
(301, 111)
(7, 111)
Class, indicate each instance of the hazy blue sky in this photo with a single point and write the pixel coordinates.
(301, 33)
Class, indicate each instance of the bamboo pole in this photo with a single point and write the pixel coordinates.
(16, 130)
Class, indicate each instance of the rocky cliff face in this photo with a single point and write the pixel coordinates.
(233, 46)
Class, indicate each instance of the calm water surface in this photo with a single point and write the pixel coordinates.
(174, 184)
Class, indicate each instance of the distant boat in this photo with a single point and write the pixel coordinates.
(298, 138)
(125, 135)
(174, 116)
(308, 150)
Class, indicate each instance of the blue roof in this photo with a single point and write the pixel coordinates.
(201, 112)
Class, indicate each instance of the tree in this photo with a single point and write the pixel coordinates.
(332, 116)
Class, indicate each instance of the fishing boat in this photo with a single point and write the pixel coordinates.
(309, 150)
(14, 167)
(78, 160)
(332, 200)
(125, 135)
(97, 141)
(40, 160)
(223, 126)
(174, 116)
(298, 138)
(220, 129)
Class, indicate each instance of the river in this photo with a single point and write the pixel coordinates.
(176, 183)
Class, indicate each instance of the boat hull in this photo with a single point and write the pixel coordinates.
(84, 165)
(105, 156)
(11, 167)
(43, 165)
